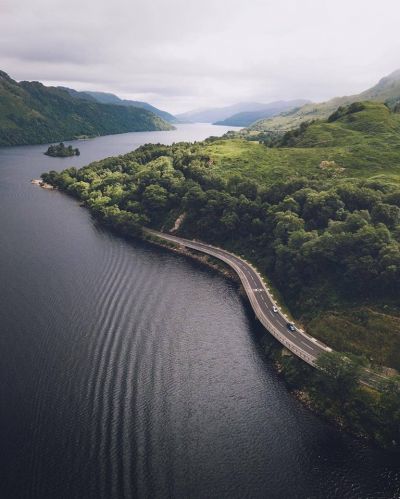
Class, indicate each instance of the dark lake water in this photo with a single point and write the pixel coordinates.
(127, 371)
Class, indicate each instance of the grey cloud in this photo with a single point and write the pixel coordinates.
(184, 53)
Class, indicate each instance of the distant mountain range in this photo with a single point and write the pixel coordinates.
(108, 98)
(387, 90)
(246, 118)
(240, 114)
(31, 113)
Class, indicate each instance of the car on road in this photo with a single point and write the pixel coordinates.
(275, 309)
(290, 326)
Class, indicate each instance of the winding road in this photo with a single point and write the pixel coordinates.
(267, 311)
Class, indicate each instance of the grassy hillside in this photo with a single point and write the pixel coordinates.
(387, 90)
(31, 113)
(358, 123)
(366, 144)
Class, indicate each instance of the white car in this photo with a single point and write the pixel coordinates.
(275, 309)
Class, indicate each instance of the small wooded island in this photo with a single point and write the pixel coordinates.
(61, 151)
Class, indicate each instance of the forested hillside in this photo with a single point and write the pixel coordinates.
(31, 113)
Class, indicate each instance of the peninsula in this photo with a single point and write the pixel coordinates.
(318, 221)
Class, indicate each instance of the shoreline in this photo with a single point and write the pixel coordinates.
(42, 184)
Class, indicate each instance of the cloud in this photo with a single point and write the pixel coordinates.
(182, 54)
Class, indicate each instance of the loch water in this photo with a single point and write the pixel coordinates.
(127, 371)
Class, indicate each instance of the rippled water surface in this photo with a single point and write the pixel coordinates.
(126, 371)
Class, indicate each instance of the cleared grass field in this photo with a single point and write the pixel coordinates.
(361, 331)
(365, 144)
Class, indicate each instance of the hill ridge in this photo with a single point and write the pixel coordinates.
(386, 90)
(32, 113)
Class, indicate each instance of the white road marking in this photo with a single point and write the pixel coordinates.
(307, 345)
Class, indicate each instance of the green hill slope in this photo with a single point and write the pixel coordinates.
(359, 123)
(387, 90)
(31, 113)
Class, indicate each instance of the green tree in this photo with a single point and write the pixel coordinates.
(387, 214)
(155, 198)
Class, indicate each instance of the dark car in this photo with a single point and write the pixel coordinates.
(290, 326)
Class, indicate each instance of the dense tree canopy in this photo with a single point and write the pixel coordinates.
(302, 232)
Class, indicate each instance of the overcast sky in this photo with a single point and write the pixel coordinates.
(183, 54)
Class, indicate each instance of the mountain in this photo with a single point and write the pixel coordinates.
(240, 114)
(246, 118)
(213, 115)
(107, 98)
(78, 95)
(386, 90)
(31, 113)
